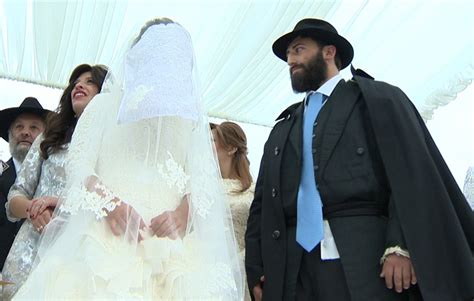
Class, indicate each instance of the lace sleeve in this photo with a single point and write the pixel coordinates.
(28, 177)
(85, 190)
(468, 189)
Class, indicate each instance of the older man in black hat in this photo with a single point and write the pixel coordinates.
(353, 200)
(19, 126)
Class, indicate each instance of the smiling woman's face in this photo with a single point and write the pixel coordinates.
(82, 93)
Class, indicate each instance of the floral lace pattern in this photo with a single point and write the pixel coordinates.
(202, 199)
(165, 91)
(138, 95)
(239, 203)
(174, 174)
(99, 201)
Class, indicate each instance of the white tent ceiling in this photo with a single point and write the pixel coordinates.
(423, 46)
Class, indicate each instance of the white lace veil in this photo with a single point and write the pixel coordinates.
(143, 146)
(158, 77)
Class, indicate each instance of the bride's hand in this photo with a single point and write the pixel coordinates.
(124, 217)
(171, 224)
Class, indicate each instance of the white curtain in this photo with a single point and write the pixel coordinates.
(423, 46)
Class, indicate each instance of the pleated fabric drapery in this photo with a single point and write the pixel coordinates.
(423, 46)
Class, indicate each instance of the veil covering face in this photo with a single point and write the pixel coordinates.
(141, 148)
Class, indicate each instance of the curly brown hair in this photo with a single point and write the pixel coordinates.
(230, 135)
(60, 125)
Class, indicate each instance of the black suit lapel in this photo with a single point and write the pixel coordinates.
(8, 177)
(332, 120)
(296, 133)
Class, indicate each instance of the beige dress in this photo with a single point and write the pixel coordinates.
(239, 203)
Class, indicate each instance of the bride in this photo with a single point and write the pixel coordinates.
(143, 214)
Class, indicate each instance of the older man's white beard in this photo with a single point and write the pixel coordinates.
(18, 151)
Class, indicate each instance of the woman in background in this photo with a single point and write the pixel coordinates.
(42, 178)
(231, 147)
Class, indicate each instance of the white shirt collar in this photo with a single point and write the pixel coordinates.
(17, 164)
(327, 88)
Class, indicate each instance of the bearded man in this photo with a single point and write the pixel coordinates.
(19, 126)
(353, 200)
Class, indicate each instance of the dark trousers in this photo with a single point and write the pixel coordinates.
(321, 280)
(308, 278)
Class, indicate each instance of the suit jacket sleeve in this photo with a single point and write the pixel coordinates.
(394, 230)
(436, 221)
(3, 215)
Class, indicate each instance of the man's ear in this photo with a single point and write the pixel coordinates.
(329, 52)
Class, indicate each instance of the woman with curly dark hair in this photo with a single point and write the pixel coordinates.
(85, 82)
(42, 178)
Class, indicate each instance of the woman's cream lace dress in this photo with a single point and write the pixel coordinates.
(239, 203)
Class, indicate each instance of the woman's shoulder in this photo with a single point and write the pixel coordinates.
(232, 188)
(251, 188)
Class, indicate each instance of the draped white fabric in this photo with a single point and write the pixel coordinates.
(423, 46)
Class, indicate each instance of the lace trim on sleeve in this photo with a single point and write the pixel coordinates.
(201, 198)
(468, 188)
(394, 250)
(98, 200)
(9, 214)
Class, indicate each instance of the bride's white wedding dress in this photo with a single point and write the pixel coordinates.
(147, 166)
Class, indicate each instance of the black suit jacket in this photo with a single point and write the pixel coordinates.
(8, 229)
(347, 171)
(350, 172)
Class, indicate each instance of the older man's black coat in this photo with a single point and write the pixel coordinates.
(372, 154)
(8, 229)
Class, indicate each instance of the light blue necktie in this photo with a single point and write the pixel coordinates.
(309, 216)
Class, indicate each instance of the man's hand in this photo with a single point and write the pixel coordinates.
(125, 217)
(171, 224)
(42, 219)
(398, 270)
(257, 290)
(38, 205)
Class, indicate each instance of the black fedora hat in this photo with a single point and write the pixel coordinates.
(7, 116)
(319, 30)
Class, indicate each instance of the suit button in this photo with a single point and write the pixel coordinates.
(316, 167)
(274, 192)
(360, 151)
(277, 150)
(314, 136)
(276, 234)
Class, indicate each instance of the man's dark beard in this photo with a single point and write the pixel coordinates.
(312, 76)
